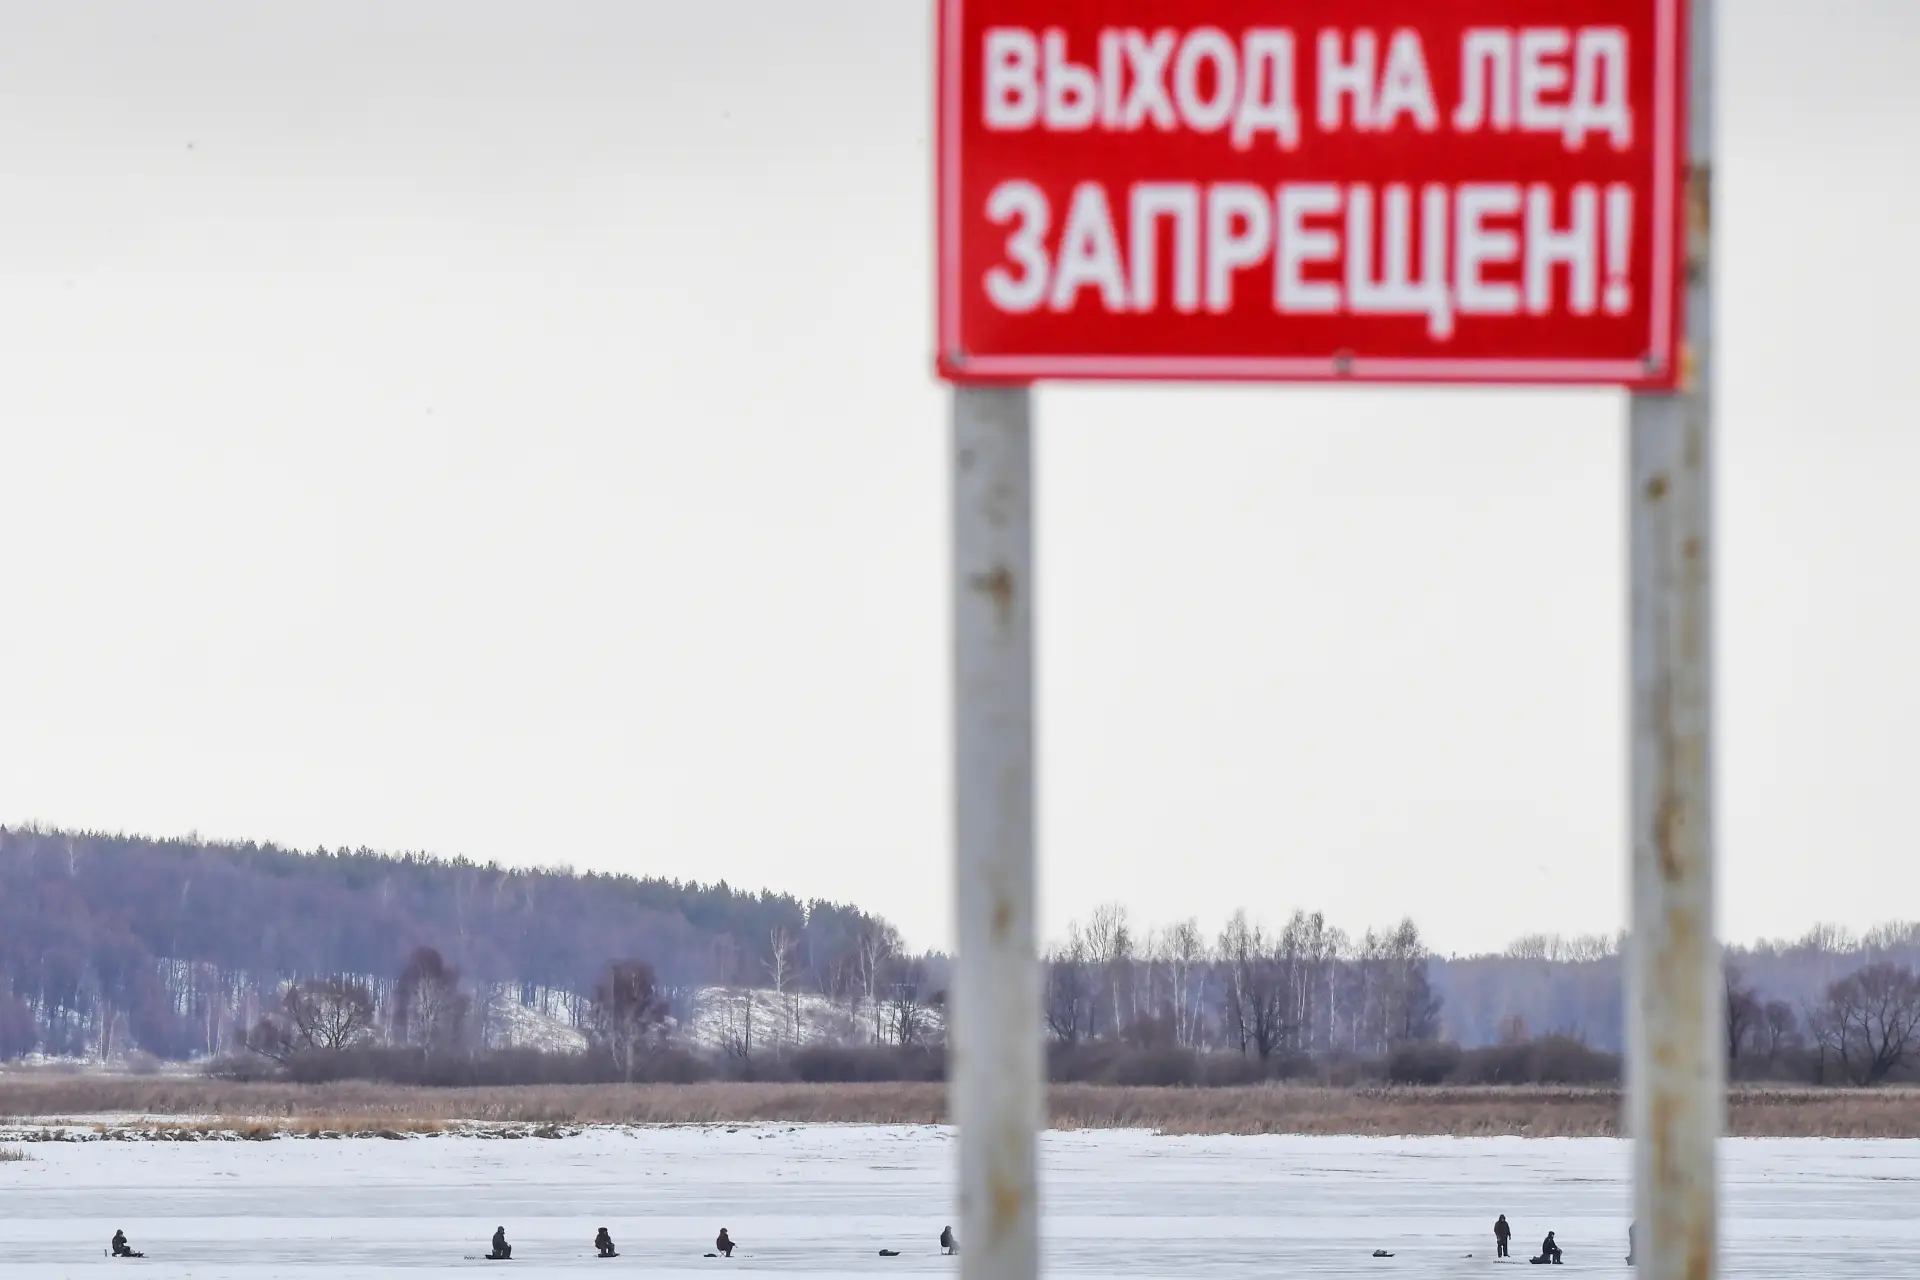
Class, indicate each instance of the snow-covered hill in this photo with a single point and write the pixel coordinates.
(513, 1025)
(723, 1020)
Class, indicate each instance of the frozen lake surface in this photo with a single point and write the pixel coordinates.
(822, 1201)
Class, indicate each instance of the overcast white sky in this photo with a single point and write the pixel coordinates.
(507, 429)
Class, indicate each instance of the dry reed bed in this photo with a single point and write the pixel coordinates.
(363, 1107)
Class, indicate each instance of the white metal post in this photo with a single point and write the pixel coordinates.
(1676, 1057)
(993, 1037)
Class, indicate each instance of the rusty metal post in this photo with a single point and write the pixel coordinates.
(993, 1037)
(1676, 1081)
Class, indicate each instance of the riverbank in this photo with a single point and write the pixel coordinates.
(180, 1102)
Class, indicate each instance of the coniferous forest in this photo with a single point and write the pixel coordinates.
(178, 944)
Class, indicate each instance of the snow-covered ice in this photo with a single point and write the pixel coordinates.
(823, 1200)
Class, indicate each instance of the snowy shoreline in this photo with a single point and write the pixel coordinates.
(132, 1128)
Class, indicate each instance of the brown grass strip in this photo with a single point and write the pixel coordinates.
(352, 1107)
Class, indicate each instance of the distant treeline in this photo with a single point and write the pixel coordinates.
(1313, 999)
(413, 968)
(176, 946)
(1574, 987)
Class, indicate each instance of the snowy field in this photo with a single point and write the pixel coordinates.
(822, 1201)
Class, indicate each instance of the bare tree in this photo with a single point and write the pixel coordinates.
(1068, 994)
(270, 1038)
(328, 1016)
(1254, 1003)
(1413, 1010)
(1780, 1030)
(736, 1025)
(1824, 1032)
(1110, 951)
(1744, 1013)
(1874, 1016)
(1148, 1014)
(333, 1015)
(629, 1012)
(430, 1010)
(1589, 948)
(1331, 965)
(1186, 962)
(780, 970)
(1883, 940)
(1360, 988)
(1307, 952)
(878, 945)
(842, 988)
(1532, 946)
(1833, 939)
(907, 999)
